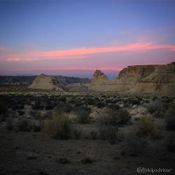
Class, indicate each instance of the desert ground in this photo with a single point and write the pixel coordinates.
(86, 134)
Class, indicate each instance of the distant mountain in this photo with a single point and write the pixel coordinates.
(27, 80)
(71, 80)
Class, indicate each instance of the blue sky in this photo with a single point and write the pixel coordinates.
(33, 33)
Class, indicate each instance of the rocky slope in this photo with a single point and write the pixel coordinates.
(45, 82)
(141, 80)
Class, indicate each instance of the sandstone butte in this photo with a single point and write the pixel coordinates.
(45, 82)
(156, 80)
(139, 80)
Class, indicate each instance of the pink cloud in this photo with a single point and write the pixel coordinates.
(81, 53)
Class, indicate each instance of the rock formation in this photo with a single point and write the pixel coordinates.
(99, 76)
(45, 82)
(141, 80)
(98, 79)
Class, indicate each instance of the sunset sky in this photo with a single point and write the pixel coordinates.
(75, 37)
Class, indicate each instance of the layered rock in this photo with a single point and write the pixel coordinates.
(137, 72)
(99, 76)
(98, 79)
(45, 82)
(141, 80)
(159, 82)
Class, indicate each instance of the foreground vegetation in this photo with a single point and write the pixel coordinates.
(138, 126)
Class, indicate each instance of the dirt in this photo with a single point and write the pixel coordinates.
(29, 153)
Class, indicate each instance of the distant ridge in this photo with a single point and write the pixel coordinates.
(27, 80)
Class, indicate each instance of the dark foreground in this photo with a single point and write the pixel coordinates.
(34, 154)
(107, 135)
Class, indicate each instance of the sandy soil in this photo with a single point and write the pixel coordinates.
(27, 153)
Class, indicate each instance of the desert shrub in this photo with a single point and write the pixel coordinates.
(25, 125)
(134, 145)
(78, 103)
(108, 132)
(147, 128)
(170, 118)
(37, 105)
(63, 160)
(100, 103)
(113, 106)
(36, 115)
(134, 101)
(47, 115)
(77, 133)
(50, 103)
(63, 107)
(3, 108)
(93, 135)
(122, 117)
(118, 117)
(83, 115)
(90, 101)
(20, 112)
(109, 121)
(157, 108)
(107, 127)
(87, 160)
(58, 126)
(9, 124)
(62, 98)
(170, 143)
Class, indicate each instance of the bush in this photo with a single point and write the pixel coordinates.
(110, 117)
(63, 107)
(83, 115)
(77, 133)
(170, 118)
(25, 125)
(109, 121)
(113, 106)
(58, 127)
(38, 105)
(20, 112)
(157, 108)
(122, 117)
(87, 160)
(107, 127)
(36, 115)
(9, 124)
(108, 132)
(134, 145)
(3, 108)
(170, 144)
(63, 160)
(147, 128)
(93, 135)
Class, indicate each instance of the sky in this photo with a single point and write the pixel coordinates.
(76, 37)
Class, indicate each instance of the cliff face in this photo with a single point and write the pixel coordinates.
(142, 80)
(137, 72)
(160, 82)
(45, 82)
